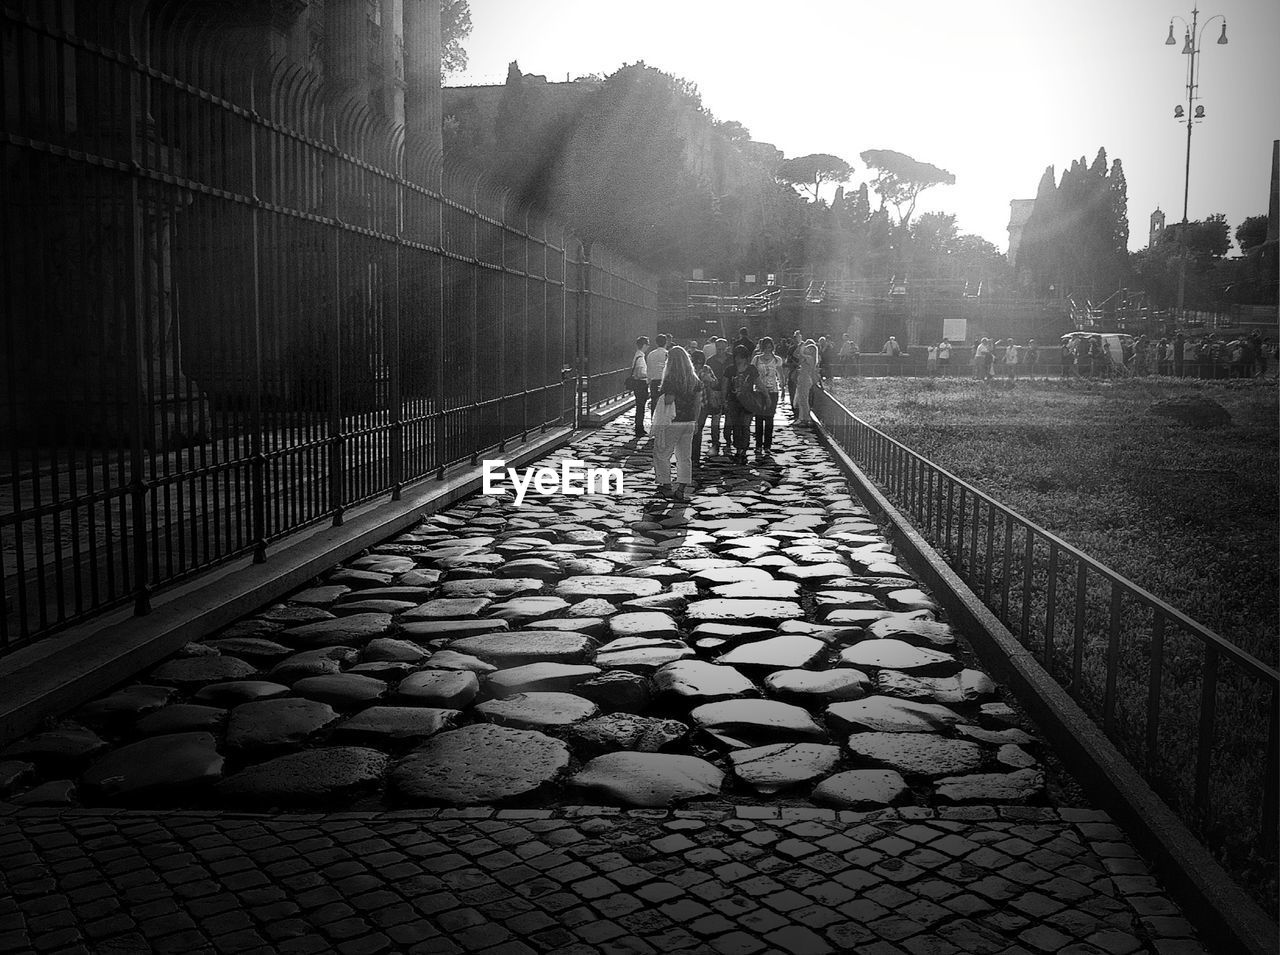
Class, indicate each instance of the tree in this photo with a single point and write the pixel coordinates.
(1251, 232)
(933, 233)
(733, 131)
(455, 27)
(1076, 237)
(1207, 274)
(1206, 238)
(969, 242)
(810, 172)
(900, 179)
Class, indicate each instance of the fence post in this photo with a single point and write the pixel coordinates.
(257, 485)
(336, 464)
(1204, 742)
(1153, 690)
(395, 397)
(582, 397)
(136, 316)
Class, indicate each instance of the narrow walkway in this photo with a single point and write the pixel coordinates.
(582, 724)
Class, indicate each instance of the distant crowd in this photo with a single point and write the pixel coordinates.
(1086, 355)
(730, 386)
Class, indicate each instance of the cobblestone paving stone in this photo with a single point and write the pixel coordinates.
(537, 640)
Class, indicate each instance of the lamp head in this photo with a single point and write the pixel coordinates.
(1223, 38)
(1170, 41)
(1187, 46)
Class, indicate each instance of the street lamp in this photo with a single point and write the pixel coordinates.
(1192, 113)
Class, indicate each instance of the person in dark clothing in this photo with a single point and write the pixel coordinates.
(1179, 342)
(745, 339)
(739, 376)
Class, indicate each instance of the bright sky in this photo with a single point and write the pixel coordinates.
(993, 91)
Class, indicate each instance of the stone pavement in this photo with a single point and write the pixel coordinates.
(583, 880)
(823, 767)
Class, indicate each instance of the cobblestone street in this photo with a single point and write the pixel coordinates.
(585, 723)
(591, 879)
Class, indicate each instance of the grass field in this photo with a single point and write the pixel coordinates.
(1190, 515)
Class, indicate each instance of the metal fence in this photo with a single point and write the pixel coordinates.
(233, 306)
(1196, 715)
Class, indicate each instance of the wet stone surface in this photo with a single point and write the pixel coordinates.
(759, 643)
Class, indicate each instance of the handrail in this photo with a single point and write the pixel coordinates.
(1070, 607)
(1240, 656)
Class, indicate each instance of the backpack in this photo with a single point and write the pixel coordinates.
(752, 401)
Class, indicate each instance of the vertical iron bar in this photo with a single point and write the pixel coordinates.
(989, 558)
(137, 305)
(394, 363)
(1006, 572)
(257, 486)
(336, 465)
(1028, 579)
(1113, 661)
(1154, 679)
(973, 538)
(1204, 745)
(1050, 611)
(1271, 777)
(1077, 651)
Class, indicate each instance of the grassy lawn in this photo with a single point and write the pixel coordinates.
(1190, 515)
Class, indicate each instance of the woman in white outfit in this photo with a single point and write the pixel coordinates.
(806, 378)
(679, 399)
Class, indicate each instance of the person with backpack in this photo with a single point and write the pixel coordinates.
(676, 412)
(740, 399)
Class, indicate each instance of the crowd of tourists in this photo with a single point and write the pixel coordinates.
(726, 392)
(1092, 356)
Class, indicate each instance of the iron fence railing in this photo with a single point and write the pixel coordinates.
(237, 300)
(1195, 714)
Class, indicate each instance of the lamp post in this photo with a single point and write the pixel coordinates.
(1191, 49)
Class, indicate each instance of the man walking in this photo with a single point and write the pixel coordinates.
(640, 382)
(657, 362)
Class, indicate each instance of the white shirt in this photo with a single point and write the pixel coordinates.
(769, 370)
(639, 367)
(657, 361)
(944, 350)
(709, 350)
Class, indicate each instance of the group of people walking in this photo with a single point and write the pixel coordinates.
(729, 385)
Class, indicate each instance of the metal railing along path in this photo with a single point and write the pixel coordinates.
(1196, 715)
(238, 296)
